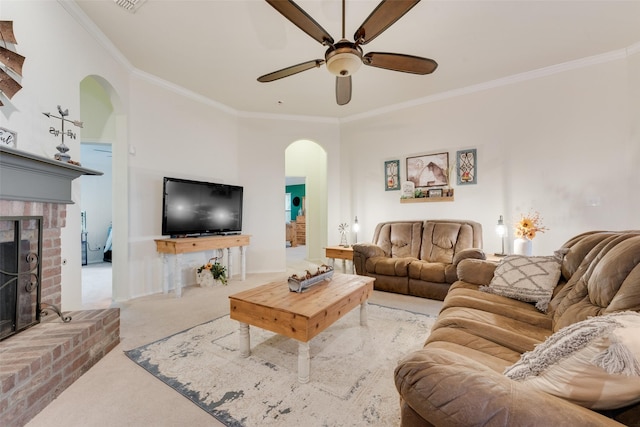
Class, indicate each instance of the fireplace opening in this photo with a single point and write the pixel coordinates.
(20, 273)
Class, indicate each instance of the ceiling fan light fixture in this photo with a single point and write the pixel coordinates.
(344, 59)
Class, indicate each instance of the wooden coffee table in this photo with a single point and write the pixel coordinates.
(300, 316)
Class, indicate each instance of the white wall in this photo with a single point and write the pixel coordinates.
(556, 144)
(177, 136)
(262, 144)
(553, 144)
(59, 54)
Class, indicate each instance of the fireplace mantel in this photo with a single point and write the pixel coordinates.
(28, 177)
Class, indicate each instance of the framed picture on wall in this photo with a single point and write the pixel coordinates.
(466, 172)
(429, 170)
(392, 175)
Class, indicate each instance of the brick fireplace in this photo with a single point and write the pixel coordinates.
(39, 362)
(30, 248)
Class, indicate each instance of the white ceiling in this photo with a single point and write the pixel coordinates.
(218, 48)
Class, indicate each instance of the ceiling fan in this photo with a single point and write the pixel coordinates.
(345, 57)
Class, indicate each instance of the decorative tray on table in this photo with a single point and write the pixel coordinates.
(300, 283)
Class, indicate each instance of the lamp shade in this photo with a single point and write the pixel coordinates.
(501, 229)
(356, 226)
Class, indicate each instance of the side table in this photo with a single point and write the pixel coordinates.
(340, 252)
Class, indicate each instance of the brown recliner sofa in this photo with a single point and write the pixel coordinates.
(457, 378)
(418, 257)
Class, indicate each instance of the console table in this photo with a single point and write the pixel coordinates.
(174, 248)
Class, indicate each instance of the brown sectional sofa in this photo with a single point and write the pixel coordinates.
(457, 378)
(418, 257)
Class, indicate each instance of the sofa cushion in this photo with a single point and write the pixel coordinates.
(399, 239)
(594, 363)
(482, 350)
(498, 328)
(462, 294)
(606, 282)
(577, 249)
(449, 387)
(428, 271)
(389, 266)
(442, 240)
(530, 279)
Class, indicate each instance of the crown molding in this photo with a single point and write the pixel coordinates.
(289, 117)
(516, 78)
(78, 14)
(180, 90)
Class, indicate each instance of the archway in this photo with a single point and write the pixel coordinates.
(105, 127)
(304, 158)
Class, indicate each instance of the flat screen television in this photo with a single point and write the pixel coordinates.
(193, 208)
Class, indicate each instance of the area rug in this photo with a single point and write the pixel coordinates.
(351, 380)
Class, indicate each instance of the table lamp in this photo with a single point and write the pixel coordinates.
(356, 228)
(501, 230)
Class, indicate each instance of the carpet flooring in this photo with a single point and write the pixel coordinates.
(351, 370)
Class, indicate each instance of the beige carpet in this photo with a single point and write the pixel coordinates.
(116, 392)
(351, 370)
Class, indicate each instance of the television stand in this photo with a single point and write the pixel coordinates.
(172, 249)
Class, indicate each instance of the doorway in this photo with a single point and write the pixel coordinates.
(96, 200)
(308, 160)
(295, 219)
(96, 220)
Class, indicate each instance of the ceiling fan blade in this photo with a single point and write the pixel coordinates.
(302, 20)
(343, 90)
(399, 62)
(289, 71)
(382, 17)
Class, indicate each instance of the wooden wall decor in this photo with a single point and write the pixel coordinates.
(11, 61)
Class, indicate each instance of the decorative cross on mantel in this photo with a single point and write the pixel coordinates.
(62, 148)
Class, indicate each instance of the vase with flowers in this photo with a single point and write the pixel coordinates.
(526, 229)
(211, 273)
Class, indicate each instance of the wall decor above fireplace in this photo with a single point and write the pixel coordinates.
(11, 70)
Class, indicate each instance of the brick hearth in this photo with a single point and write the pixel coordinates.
(36, 365)
(39, 363)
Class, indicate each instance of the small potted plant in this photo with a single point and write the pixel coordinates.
(211, 273)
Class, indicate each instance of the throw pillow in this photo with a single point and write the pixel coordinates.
(530, 279)
(594, 363)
